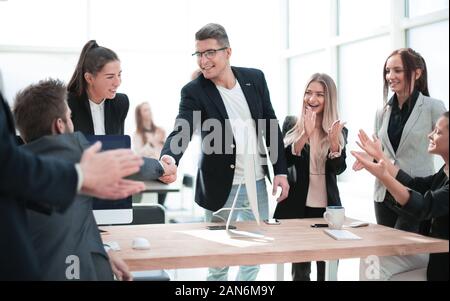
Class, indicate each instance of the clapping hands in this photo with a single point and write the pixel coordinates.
(372, 147)
(378, 169)
(309, 122)
(333, 134)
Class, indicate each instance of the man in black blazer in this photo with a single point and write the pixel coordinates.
(48, 183)
(56, 236)
(222, 95)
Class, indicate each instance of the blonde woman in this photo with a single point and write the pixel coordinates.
(316, 147)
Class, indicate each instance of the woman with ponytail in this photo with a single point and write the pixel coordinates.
(96, 106)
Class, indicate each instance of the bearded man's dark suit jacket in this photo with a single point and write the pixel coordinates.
(26, 178)
(58, 235)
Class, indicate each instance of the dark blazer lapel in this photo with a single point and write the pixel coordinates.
(215, 97)
(249, 90)
(87, 107)
(9, 118)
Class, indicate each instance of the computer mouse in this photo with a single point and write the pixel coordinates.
(140, 243)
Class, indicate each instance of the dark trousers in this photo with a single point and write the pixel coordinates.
(301, 270)
(386, 215)
(162, 198)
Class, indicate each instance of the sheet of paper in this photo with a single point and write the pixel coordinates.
(341, 234)
(222, 237)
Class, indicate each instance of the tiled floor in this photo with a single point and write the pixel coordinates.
(356, 198)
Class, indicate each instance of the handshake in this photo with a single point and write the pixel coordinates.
(170, 169)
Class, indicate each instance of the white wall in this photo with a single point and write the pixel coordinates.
(154, 39)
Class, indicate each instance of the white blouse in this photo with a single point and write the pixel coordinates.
(98, 117)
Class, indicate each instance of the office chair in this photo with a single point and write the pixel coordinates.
(143, 215)
(187, 183)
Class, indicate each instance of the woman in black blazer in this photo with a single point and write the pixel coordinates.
(96, 106)
(420, 198)
(315, 146)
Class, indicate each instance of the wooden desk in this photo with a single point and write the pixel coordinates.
(176, 246)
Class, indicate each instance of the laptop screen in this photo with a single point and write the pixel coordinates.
(109, 212)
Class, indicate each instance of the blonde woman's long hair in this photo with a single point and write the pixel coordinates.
(330, 114)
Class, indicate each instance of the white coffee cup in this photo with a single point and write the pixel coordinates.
(335, 216)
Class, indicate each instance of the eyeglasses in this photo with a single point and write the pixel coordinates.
(209, 54)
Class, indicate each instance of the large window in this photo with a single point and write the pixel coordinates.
(357, 17)
(423, 7)
(309, 23)
(361, 86)
(361, 79)
(435, 54)
(300, 69)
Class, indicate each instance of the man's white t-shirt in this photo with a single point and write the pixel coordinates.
(244, 130)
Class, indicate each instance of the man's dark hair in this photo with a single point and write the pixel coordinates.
(37, 106)
(213, 31)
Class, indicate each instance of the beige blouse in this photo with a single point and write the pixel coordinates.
(154, 145)
(317, 189)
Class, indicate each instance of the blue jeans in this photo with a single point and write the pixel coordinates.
(246, 273)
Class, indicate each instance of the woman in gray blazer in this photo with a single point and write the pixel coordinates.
(402, 126)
